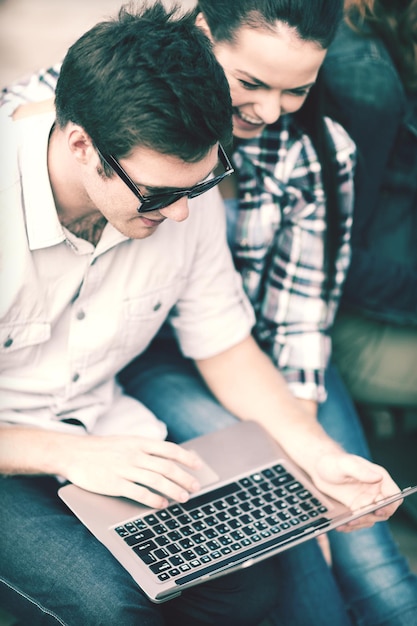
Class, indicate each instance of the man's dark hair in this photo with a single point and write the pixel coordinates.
(146, 78)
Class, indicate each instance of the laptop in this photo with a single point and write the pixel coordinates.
(254, 503)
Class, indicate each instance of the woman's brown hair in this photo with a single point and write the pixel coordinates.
(395, 21)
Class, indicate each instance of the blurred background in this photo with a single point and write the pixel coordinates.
(37, 33)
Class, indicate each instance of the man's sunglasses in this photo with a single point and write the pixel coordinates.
(161, 200)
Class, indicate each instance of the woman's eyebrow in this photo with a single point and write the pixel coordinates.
(252, 78)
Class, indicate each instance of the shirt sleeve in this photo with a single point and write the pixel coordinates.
(213, 313)
(294, 314)
(34, 88)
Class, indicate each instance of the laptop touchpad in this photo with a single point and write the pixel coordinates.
(205, 475)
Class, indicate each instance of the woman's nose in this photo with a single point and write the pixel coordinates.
(268, 109)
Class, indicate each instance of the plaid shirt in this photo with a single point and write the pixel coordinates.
(279, 238)
(279, 247)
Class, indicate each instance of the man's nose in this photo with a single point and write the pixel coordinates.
(177, 211)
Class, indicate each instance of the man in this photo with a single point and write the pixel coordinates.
(89, 274)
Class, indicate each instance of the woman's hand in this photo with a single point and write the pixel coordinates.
(356, 482)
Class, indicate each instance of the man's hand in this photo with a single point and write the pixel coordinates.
(356, 482)
(146, 470)
(134, 467)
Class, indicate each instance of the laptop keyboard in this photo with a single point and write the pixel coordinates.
(228, 524)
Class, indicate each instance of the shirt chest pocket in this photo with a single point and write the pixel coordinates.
(142, 317)
(19, 341)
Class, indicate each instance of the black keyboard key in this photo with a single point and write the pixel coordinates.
(174, 535)
(295, 486)
(304, 494)
(161, 553)
(222, 529)
(171, 524)
(235, 523)
(163, 515)
(140, 524)
(151, 519)
(159, 529)
(175, 509)
(220, 505)
(234, 511)
(246, 506)
(133, 540)
(162, 540)
(160, 567)
(131, 527)
(197, 514)
(144, 552)
(223, 516)
(174, 548)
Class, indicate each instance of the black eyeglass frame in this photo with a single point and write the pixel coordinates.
(162, 200)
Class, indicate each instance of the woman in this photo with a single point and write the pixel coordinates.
(288, 217)
(288, 225)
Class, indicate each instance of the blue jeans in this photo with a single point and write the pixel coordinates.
(377, 586)
(53, 571)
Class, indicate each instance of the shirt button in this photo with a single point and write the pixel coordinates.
(80, 315)
(8, 342)
(157, 306)
(75, 377)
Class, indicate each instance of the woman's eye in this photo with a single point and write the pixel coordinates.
(247, 85)
(299, 93)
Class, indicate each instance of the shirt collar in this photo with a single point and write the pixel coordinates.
(42, 223)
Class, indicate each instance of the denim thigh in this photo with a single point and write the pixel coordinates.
(53, 571)
(375, 578)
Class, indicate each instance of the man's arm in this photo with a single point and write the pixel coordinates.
(247, 383)
(113, 465)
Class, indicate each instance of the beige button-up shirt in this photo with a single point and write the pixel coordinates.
(73, 315)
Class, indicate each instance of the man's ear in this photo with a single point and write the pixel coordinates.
(202, 23)
(80, 144)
